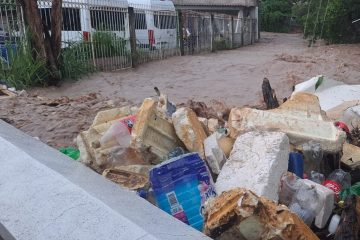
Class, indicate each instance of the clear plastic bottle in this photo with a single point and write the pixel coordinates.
(313, 155)
(289, 185)
(317, 177)
(337, 181)
(119, 132)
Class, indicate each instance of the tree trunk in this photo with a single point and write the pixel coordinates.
(53, 42)
(35, 27)
(56, 24)
(46, 47)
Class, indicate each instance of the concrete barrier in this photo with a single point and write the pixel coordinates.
(46, 195)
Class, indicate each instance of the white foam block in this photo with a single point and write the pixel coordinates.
(257, 161)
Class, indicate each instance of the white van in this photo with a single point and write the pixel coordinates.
(81, 17)
(155, 20)
(155, 23)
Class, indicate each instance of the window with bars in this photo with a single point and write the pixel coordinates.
(140, 20)
(107, 20)
(70, 18)
(164, 21)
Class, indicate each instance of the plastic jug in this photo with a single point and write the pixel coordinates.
(326, 197)
(306, 203)
(296, 164)
(181, 186)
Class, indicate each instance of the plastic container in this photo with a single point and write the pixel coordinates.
(296, 164)
(313, 155)
(119, 131)
(181, 186)
(289, 185)
(337, 181)
(326, 197)
(334, 223)
(306, 203)
(317, 177)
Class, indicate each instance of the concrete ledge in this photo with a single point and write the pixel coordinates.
(46, 195)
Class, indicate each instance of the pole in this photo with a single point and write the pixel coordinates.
(180, 32)
(212, 32)
(232, 32)
(132, 36)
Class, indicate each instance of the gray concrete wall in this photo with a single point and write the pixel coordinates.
(46, 195)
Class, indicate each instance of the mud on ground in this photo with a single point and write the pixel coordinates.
(54, 121)
(233, 77)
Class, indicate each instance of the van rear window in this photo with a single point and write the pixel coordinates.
(107, 20)
(70, 22)
(164, 21)
(140, 21)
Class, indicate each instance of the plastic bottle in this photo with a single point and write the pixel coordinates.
(306, 203)
(119, 131)
(334, 223)
(313, 155)
(337, 181)
(317, 177)
(289, 185)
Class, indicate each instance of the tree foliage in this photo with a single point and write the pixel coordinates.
(329, 19)
(275, 15)
(326, 19)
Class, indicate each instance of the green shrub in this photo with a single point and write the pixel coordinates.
(20, 70)
(107, 44)
(76, 60)
(221, 44)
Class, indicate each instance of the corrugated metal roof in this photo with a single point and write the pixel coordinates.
(215, 2)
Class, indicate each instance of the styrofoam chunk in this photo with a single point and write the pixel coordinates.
(257, 161)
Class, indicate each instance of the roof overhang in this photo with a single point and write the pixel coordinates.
(214, 4)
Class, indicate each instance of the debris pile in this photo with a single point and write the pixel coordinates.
(241, 214)
(289, 172)
(6, 92)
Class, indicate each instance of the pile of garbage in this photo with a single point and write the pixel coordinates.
(291, 171)
(6, 92)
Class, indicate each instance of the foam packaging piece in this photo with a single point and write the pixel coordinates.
(257, 162)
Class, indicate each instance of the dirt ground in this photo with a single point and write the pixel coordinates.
(233, 77)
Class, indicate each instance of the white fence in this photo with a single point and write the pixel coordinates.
(101, 32)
